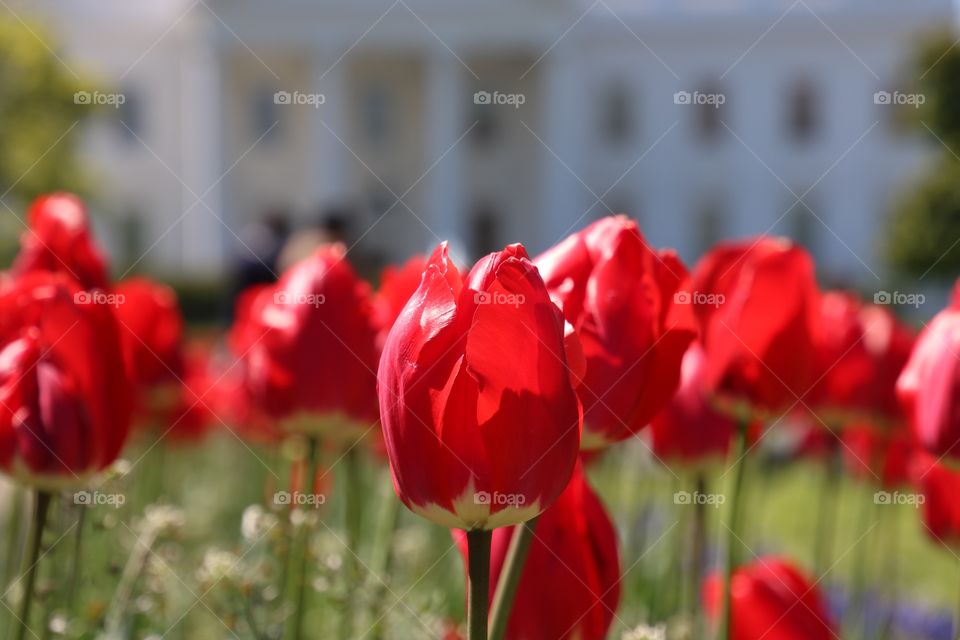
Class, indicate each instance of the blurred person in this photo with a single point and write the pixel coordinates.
(255, 260)
(329, 228)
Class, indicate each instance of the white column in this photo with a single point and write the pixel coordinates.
(201, 167)
(562, 121)
(445, 122)
(327, 182)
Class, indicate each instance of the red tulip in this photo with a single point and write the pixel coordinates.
(630, 306)
(151, 331)
(570, 586)
(479, 411)
(397, 284)
(307, 343)
(203, 400)
(772, 600)
(64, 392)
(875, 452)
(939, 485)
(757, 303)
(929, 387)
(860, 350)
(690, 429)
(58, 239)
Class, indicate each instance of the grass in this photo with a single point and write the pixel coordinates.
(204, 579)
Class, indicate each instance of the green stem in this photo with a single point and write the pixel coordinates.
(478, 589)
(858, 610)
(730, 558)
(75, 561)
(510, 574)
(33, 557)
(12, 552)
(304, 541)
(826, 518)
(382, 561)
(698, 552)
(956, 620)
(353, 517)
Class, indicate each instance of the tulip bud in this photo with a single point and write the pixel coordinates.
(632, 309)
(64, 392)
(480, 417)
(58, 239)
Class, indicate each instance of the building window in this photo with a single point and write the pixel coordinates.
(485, 230)
(266, 113)
(616, 115)
(375, 112)
(802, 223)
(803, 117)
(485, 129)
(129, 116)
(710, 223)
(711, 106)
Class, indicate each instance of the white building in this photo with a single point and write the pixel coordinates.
(593, 118)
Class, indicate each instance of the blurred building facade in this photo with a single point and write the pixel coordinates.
(502, 121)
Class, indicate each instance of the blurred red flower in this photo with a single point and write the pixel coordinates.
(151, 332)
(204, 399)
(871, 452)
(860, 351)
(479, 412)
(757, 303)
(929, 386)
(772, 600)
(631, 308)
(307, 343)
(397, 284)
(58, 239)
(690, 430)
(570, 586)
(939, 486)
(64, 391)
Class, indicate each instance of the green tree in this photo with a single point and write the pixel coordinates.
(923, 237)
(40, 123)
